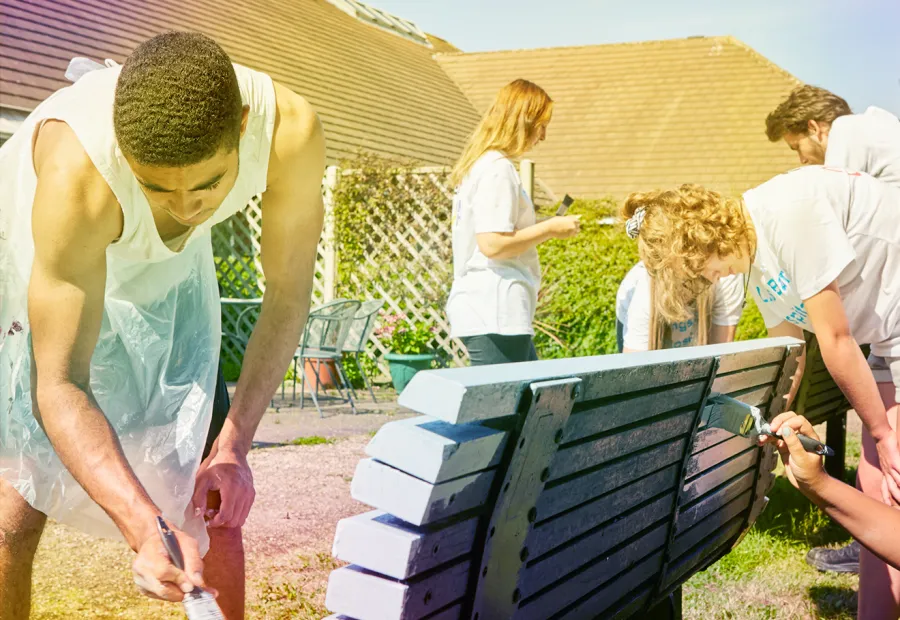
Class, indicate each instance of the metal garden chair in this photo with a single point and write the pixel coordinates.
(323, 341)
(360, 331)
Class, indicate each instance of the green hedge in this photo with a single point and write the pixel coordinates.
(576, 312)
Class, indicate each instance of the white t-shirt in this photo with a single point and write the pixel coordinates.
(492, 296)
(867, 142)
(816, 225)
(633, 309)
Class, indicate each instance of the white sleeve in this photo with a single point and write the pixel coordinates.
(770, 318)
(808, 239)
(495, 201)
(728, 300)
(847, 144)
(637, 323)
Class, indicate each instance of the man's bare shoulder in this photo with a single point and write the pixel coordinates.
(298, 136)
(70, 184)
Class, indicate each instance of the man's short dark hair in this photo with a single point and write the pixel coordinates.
(177, 101)
(805, 103)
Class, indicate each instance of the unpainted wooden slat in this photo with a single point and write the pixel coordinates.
(559, 530)
(701, 461)
(739, 487)
(709, 437)
(756, 357)
(416, 501)
(594, 483)
(818, 397)
(594, 545)
(745, 379)
(609, 415)
(461, 395)
(692, 561)
(755, 396)
(720, 474)
(436, 451)
(575, 458)
(719, 520)
(382, 543)
(364, 595)
(604, 570)
(610, 594)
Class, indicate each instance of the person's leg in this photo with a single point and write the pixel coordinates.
(223, 569)
(879, 585)
(20, 531)
(223, 565)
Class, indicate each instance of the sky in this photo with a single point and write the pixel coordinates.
(850, 47)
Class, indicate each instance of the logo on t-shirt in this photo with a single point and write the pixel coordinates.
(775, 289)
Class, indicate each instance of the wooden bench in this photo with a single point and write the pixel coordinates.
(573, 488)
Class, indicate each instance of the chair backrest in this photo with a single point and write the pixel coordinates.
(363, 325)
(238, 319)
(575, 488)
(328, 325)
(819, 397)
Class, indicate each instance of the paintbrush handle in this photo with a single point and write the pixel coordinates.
(816, 447)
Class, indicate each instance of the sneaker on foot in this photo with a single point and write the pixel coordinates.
(843, 560)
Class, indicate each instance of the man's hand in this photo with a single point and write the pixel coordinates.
(157, 577)
(225, 471)
(889, 459)
(804, 469)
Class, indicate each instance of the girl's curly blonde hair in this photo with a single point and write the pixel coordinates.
(682, 229)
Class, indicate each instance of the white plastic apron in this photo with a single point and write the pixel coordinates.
(153, 371)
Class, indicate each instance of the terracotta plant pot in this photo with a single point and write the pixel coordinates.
(328, 373)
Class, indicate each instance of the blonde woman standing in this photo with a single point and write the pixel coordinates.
(821, 247)
(496, 272)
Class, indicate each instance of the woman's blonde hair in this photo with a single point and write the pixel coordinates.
(660, 329)
(510, 126)
(682, 229)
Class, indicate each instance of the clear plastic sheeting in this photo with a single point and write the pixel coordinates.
(153, 375)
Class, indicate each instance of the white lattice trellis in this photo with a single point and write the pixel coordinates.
(410, 266)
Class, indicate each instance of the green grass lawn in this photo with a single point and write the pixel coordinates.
(766, 576)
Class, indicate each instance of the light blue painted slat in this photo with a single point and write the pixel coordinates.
(382, 543)
(691, 562)
(436, 451)
(414, 500)
(719, 474)
(569, 494)
(701, 461)
(460, 395)
(364, 595)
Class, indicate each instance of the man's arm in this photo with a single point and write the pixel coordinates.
(292, 224)
(75, 218)
(851, 372)
(794, 331)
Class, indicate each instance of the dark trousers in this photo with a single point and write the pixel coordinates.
(496, 349)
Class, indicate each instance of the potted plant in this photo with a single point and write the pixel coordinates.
(411, 345)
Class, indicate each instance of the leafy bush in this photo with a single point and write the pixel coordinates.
(576, 312)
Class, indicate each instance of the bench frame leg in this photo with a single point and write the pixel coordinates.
(667, 609)
(836, 439)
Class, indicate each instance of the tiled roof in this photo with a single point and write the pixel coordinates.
(373, 89)
(635, 116)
